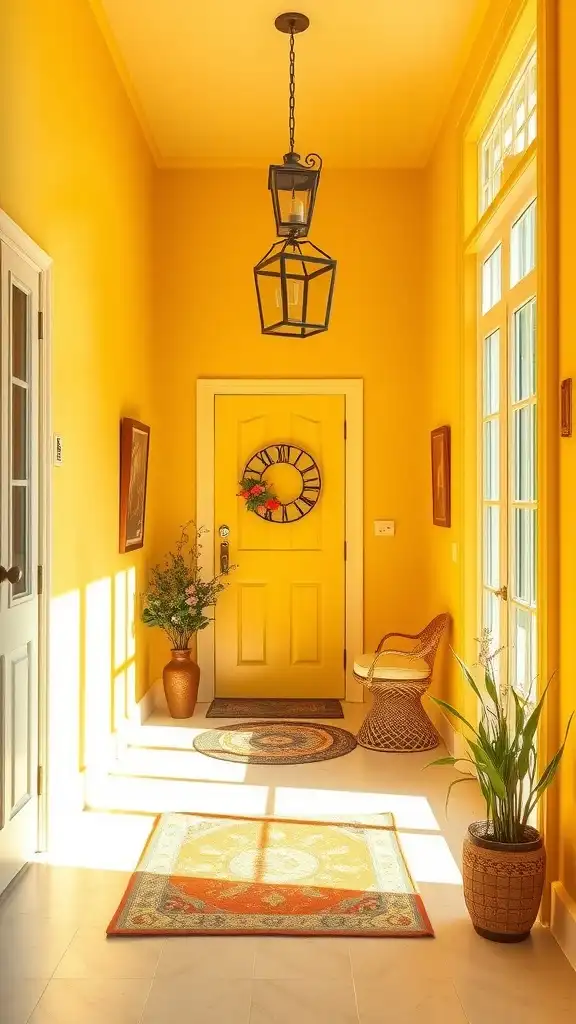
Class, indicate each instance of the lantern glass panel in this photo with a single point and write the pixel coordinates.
(294, 290)
(293, 193)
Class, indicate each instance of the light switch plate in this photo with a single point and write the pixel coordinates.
(57, 450)
(384, 527)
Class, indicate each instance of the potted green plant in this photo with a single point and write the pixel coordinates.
(504, 859)
(176, 600)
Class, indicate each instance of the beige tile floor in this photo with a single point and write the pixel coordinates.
(56, 966)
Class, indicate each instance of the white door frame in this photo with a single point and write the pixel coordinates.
(29, 251)
(353, 392)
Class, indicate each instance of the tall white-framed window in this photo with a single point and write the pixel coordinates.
(508, 405)
(509, 133)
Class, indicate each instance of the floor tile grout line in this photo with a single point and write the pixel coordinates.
(353, 977)
(34, 1008)
(145, 1004)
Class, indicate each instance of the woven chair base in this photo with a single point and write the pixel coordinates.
(397, 721)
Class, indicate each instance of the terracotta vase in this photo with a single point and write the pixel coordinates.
(181, 677)
(503, 883)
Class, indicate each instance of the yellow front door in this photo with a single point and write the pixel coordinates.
(280, 624)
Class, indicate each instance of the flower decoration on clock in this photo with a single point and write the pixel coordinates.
(258, 496)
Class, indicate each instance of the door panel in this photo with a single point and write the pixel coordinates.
(19, 552)
(280, 624)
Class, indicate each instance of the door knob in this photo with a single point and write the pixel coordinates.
(13, 575)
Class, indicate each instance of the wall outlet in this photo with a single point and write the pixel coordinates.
(384, 527)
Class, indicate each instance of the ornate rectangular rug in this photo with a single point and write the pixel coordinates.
(271, 707)
(215, 875)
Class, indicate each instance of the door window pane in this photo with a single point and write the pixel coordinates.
(19, 333)
(492, 373)
(523, 651)
(524, 556)
(492, 460)
(523, 245)
(524, 453)
(492, 546)
(19, 432)
(524, 352)
(20, 536)
(492, 280)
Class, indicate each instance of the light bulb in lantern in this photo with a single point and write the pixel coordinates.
(292, 294)
(296, 215)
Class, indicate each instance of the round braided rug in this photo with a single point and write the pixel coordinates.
(275, 742)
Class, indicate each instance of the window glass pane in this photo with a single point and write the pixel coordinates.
(524, 352)
(523, 651)
(492, 460)
(20, 536)
(492, 280)
(19, 333)
(523, 245)
(19, 432)
(510, 132)
(524, 453)
(492, 546)
(524, 542)
(492, 373)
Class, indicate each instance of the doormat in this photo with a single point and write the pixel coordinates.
(215, 875)
(275, 742)
(257, 707)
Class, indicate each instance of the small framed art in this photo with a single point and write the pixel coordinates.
(441, 476)
(134, 447)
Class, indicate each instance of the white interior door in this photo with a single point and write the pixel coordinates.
(19, 370)
(507, 333)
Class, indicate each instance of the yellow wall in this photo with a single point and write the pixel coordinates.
(567, 85)
(77, 176)
(211, 227)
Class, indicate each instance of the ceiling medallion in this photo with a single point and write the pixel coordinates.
(295, 278)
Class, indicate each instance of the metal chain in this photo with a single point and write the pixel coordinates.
(292, 101)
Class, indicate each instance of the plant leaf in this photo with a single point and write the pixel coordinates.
(469, 677)
(455, 782)
(453, 711)
(489, 768)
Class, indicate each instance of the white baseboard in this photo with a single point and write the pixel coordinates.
(563, 923)
(153, 700)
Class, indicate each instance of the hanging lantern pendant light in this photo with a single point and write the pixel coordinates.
(295, 279)
(293, 185)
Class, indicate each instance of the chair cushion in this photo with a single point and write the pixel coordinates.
(392, 667)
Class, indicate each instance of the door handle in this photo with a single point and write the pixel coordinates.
(13, 575)
(502, 592)
(224, 556)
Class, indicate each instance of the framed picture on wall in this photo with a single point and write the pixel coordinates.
(134, 446)
(441, 476)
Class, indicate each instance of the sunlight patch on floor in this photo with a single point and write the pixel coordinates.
(429, 859)
(409, 811)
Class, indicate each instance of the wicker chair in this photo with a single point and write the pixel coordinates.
(397, 721)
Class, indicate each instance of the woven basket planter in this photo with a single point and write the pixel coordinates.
(502, 883)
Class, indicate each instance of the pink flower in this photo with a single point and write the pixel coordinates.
(257, 489)
(192, 600)
(261, 509)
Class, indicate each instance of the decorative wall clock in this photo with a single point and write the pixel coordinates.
(255, 486)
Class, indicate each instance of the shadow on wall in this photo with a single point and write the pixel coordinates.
(94, 664)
